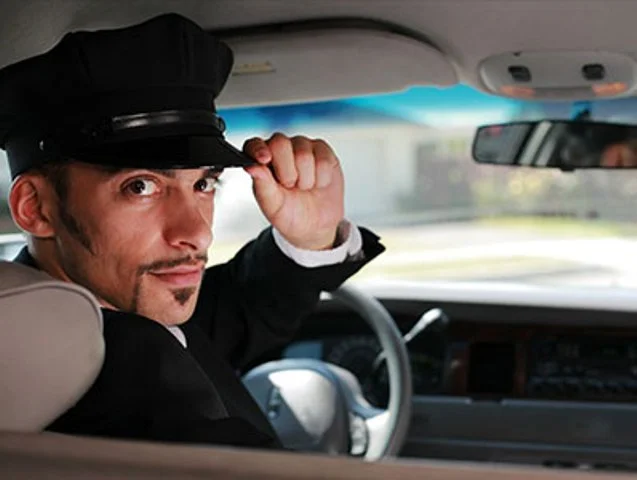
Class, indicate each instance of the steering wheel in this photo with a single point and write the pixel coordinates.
(317, 406)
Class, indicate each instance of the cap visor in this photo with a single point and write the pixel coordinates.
(172, 152)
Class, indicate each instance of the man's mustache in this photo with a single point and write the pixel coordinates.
(172, 263)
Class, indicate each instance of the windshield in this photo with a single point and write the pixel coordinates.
(410, 177)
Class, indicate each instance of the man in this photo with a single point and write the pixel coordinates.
(115, 150)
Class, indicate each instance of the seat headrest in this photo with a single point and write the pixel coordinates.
(51, 346)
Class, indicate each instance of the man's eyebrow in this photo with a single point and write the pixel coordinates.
(208, 173)
(212, 172)
(168, 173)
(171, 173)
(113, 171)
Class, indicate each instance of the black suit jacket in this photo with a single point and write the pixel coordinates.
(151, 387)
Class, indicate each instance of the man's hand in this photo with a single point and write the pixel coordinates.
(299, 188)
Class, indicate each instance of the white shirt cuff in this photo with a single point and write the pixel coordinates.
(349, 243)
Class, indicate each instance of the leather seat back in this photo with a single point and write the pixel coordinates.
(51, 346)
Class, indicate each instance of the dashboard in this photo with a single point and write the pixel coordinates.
(516, 378)
(494, 361)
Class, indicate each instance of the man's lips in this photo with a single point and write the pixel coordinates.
(184, 276)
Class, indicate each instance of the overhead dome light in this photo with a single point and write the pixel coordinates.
(566, 75)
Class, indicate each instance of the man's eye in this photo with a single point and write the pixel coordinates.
(207, 185)
(142, 187)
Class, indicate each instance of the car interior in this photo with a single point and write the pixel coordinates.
(491, 145)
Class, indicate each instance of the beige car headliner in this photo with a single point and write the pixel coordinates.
(464, 31)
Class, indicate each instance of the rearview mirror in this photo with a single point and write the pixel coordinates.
(563, 144)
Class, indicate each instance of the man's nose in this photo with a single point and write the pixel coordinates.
(189, 224)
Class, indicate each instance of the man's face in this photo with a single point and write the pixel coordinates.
(137, 239)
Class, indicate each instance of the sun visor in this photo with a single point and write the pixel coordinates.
(329, 64)
(568, 75)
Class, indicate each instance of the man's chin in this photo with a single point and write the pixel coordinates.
(184, 296)
(172, 306)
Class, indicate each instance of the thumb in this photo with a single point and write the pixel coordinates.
(268, 193)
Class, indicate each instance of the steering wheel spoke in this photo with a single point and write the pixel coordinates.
(370, 427)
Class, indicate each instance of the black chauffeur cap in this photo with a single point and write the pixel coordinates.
(135, 97)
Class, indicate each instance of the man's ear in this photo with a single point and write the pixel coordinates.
(31, 203)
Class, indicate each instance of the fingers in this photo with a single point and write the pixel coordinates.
(297, 162)
(304, 160)
(283, 160)
(278, 153)
(326, 163)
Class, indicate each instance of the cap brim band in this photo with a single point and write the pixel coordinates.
(157, 140)
(163, 139)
